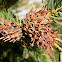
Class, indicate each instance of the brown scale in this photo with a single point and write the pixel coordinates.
(10, 32)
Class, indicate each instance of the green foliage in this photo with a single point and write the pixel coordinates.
(57, 54)
(46, 58)
(57, 17)
(53, 4)
(6, 14)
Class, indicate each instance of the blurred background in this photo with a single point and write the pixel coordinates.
(21, 7)
(24, 6)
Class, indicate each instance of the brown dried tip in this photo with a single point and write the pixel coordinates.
(38, 28)
(9, 31)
